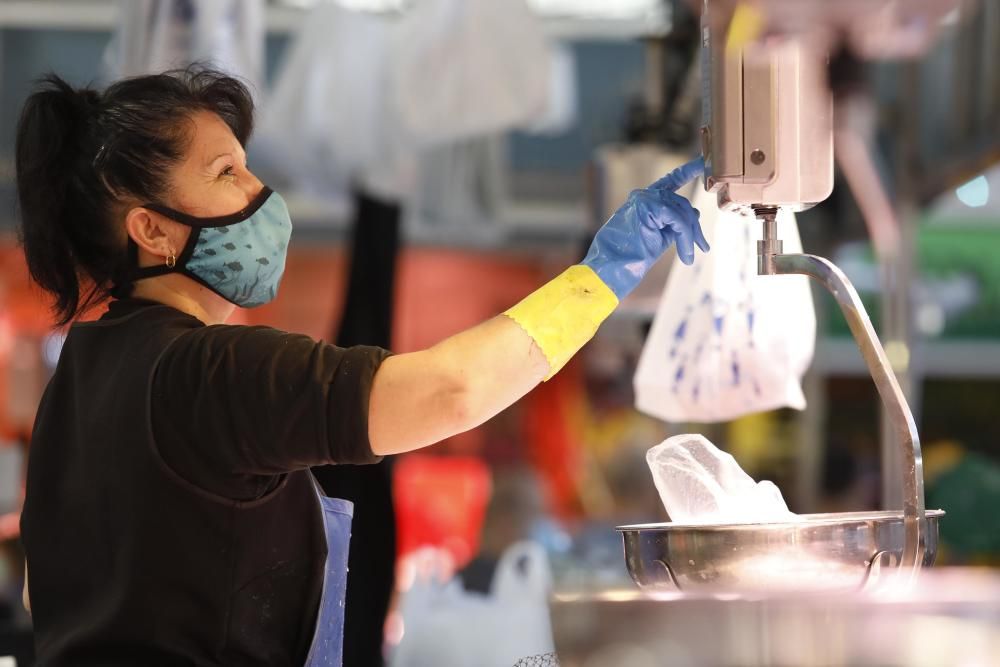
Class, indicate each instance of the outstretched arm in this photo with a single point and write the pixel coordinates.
(420, 398)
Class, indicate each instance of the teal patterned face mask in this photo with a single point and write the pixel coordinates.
(240, 257)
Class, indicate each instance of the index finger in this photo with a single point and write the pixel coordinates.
(681, 175)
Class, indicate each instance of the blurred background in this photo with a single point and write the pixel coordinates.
(443, 159)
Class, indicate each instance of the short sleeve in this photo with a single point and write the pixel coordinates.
(247, 400)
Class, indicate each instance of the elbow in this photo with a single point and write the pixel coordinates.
(455, 406)
(463, 409)
(445, 406)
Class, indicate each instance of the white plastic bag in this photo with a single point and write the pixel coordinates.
(467, 68)
(327, 118)
(446, 626)
(699, 483)
(726, 342)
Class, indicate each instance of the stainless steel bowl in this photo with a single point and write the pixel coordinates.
(816, 553)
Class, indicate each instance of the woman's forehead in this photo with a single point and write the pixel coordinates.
(211, 137)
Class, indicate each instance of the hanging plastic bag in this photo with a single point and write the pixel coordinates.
(153, 36)
(327, 119)
(726, 342)
(466, 68)
(446, 626)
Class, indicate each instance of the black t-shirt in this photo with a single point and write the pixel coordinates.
(170, 517)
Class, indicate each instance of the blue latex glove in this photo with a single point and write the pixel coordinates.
(649, 222)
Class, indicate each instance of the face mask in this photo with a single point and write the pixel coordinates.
(240, 257)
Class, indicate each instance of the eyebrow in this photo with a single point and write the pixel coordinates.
(223, 154)
(234, 152)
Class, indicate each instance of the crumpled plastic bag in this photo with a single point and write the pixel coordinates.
(700, 484)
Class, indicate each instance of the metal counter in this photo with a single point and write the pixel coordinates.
(950, 617)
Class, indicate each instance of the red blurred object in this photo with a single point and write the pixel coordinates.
(440, 502)
(553, 433)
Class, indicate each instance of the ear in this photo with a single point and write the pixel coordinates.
(157, 236)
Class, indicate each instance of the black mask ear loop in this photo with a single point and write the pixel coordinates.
(135, 272)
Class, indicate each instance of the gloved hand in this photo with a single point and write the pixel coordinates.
(565, 313)
(643, 229)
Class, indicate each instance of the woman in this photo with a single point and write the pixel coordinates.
(170, 517)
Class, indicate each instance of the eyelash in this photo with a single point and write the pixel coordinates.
(228, 171)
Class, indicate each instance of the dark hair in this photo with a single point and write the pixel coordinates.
(82, 154)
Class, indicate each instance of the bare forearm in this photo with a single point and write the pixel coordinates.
(498, 362)
(421, 398)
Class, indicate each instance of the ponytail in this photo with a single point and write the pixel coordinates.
(58, 231)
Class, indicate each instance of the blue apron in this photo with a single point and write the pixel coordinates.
(327, 646)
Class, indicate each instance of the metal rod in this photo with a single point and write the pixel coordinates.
(894, 250)
(833, 279)
(771, 246)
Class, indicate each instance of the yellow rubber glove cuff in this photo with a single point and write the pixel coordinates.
(564, 314)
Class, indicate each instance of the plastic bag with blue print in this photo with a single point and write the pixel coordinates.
(726, 342)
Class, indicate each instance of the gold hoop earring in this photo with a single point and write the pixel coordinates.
(172, 260)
